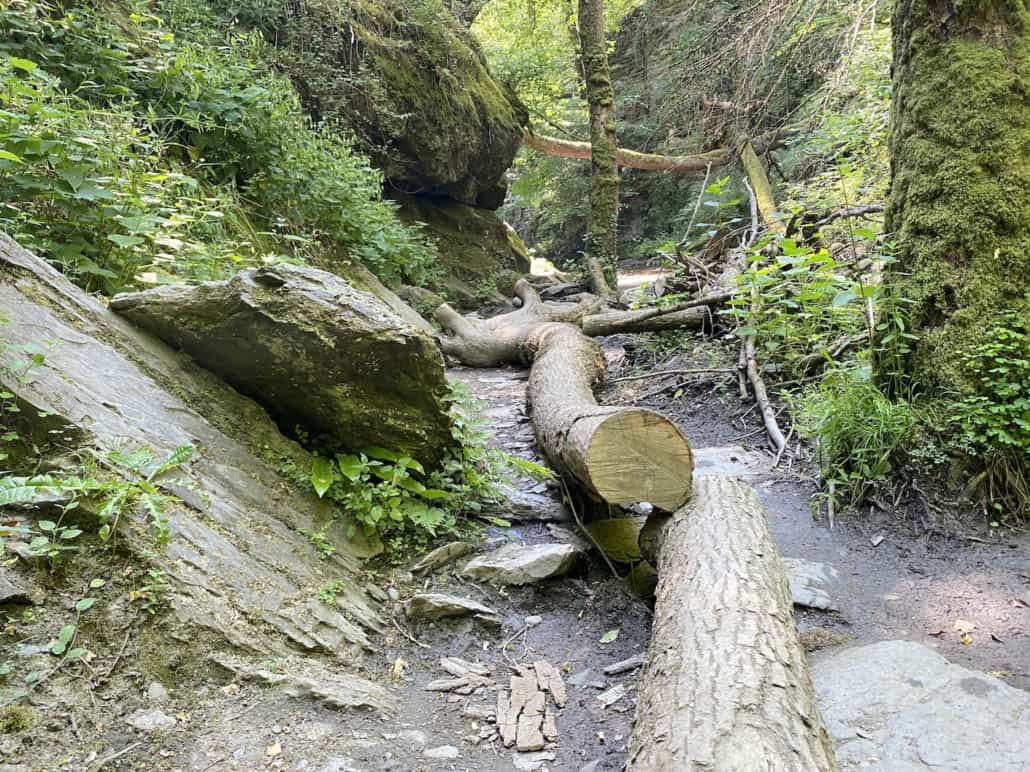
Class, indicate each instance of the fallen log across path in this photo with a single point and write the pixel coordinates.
(726, 686)
(622, 455)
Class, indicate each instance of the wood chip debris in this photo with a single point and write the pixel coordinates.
(632, 663)
(611, 696)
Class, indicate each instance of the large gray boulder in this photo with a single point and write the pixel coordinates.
(314, 351)
(897, 705)
(239, 568)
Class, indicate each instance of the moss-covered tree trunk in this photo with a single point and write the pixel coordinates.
(959, 205)
(603, 222)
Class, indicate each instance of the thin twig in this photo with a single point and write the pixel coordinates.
(590, 536)
(408, 635)
(779, 453)
(118, 755)
(660, 373)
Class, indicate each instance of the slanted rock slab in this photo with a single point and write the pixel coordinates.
(523, 563)
(897, 705)
(437, 605)
(313, 351)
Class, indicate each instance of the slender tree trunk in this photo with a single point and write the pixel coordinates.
(959, 204)
(603, 222)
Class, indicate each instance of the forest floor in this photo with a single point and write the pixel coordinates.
(924, 581)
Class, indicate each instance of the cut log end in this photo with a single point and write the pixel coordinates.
(637, 455)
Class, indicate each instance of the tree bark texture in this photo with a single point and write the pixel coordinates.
(959, 202)
(631, 159)
(603, 222)
(624, 455)
(726, 686)
(759, 178)
(644, 320)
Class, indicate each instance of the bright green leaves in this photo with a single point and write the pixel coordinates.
(321, 475)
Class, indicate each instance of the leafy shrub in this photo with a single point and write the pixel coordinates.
(995, 419)
(128, 155)
(858, 430)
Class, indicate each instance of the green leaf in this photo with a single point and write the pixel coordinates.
(499, 522)
(47, 525)
(610, 636)
(8, 156)
(85, 604)
(70, 533)
(125, 241)
(76, 653)
(351, 467)
(64, 637)
(96, 584)
(321, 475)
(21, 64)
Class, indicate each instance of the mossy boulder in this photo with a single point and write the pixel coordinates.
(315, 352)
(480, 257)
(409, 81)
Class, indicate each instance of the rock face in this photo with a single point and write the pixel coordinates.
(897, 705)
(523, 564)
(314, 351)
(408, 79)
(239, 568)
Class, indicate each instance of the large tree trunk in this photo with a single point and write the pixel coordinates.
(603, 222)
(644, 320)
(624, 455)
(726, 686)
(959, 205)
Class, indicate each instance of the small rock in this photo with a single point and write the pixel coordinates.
(523, 564)
(593, 766)
(377, 592)
(150, 720)
(446, 684)
(157, 694)
(811, 583)
(414, 737)
(533, 621)
(611, 696)
(13, 589)
(527, 762)
(438, 605)
(441, 556)
(442, 752)
(877, 540)
(393, 594)
(588, 678)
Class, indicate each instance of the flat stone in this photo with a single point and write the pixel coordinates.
(587, 679)
(437, 605)
(897, 706)
(157, 694)
(611, 696)
(523, 563)
(441, 556)
(414, 737)
(811, 583)
(529, 736)
(550, 727)
(527, 762)
(442, 752)
(150, 720)
(550, 680)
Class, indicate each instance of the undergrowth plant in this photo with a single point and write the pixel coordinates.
(392, 495)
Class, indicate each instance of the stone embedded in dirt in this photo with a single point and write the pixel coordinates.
(527, 506)
(150, 720)
(336, 690)
(441, 556)
(482, 712)
(414, 737)
(460, 668)
(811, 583)
(631, 663)
(611, 696)
(523, 563)
(445, 684)
(529, 736)
(157, 694)
(443, 752)
(567, 536)
(314, 351)
(550, 680)
(13, 589)
(729, 461)
(437, 605)
(528, 762)
(593, 766)
(897, 705)
(587, 679)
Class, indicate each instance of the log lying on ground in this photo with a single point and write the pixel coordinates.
(726, 685)
(624, 455)
(499, 340)
(643, 320)
(564, 148)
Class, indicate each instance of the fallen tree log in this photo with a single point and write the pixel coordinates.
(624, 455)
(621, 455)
(726, 686)
(499, 340)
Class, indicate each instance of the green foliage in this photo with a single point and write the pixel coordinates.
(327, 592)
(131, 156)
(132, 483)
(995, 419)
(858, 431)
